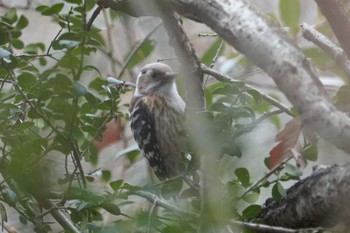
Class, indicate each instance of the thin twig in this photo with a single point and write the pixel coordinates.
(327, 46)
(207, 35)
(136, 48)
(257, 121)
(159, 202)
(93, 17)
(272, 171)
(62, 219)
(224, 78)
(263, 227)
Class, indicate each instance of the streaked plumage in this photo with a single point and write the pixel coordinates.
(157, 117)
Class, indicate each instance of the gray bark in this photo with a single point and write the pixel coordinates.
(268, 47)
(321, 200)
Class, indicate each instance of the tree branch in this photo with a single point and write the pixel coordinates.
(338, 20)
(319, 200)
(224, 78)
(270, 49)
(328, 46)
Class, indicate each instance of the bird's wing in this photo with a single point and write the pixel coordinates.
(143, 127)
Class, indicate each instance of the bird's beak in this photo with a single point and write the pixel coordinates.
(171, 75)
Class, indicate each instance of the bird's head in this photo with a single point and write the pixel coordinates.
(155, 78)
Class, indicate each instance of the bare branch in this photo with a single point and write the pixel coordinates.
(338, 20)
(159, 202)
(328, 46)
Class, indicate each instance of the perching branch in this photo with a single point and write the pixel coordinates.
(328, 46)
(224, 78)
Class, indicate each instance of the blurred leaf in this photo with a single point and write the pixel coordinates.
(106, 175)
(251, 211)
(111, 208)
(310, 152)
(226, 90)
(79, 89)
(90, 178)
(256, 95)
(10, 16)
(143, 52)
(9, 196)
(243, 176)
(251, 197)
(276, 121)
(116, 184)
(3, 214)
(22, 22)
(171, 188)
(278, 191)
(18, 44)
(211, 52)
(56, 8)
(290, 14)
(4, 53)
(26, 80)
(292, 170)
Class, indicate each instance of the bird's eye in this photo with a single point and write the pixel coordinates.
(143, 72)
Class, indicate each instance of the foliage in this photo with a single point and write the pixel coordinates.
(48, 107)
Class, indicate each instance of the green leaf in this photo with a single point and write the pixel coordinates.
(243, 176)
(292, 170)
(111, 208)
(56, 8)
(143, 52)
(251, 197)
(256, 95)
(22, 22)
(26, 80)
(79, 89)
(9, 196)
(106, 175)
(171, 188)
(11, 16)
(278, 191)
(4, 53)
(310, 152)
(211, 52)
(18, 44)
(251, 211)
(290, 14)
(226, 90)
(116, 184)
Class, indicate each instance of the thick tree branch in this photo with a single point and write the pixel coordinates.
(319, 200)
(269, 48)
(338, 20)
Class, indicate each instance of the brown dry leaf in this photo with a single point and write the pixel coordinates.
(287, 139)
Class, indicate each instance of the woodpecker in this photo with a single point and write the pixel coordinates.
(157, 115)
